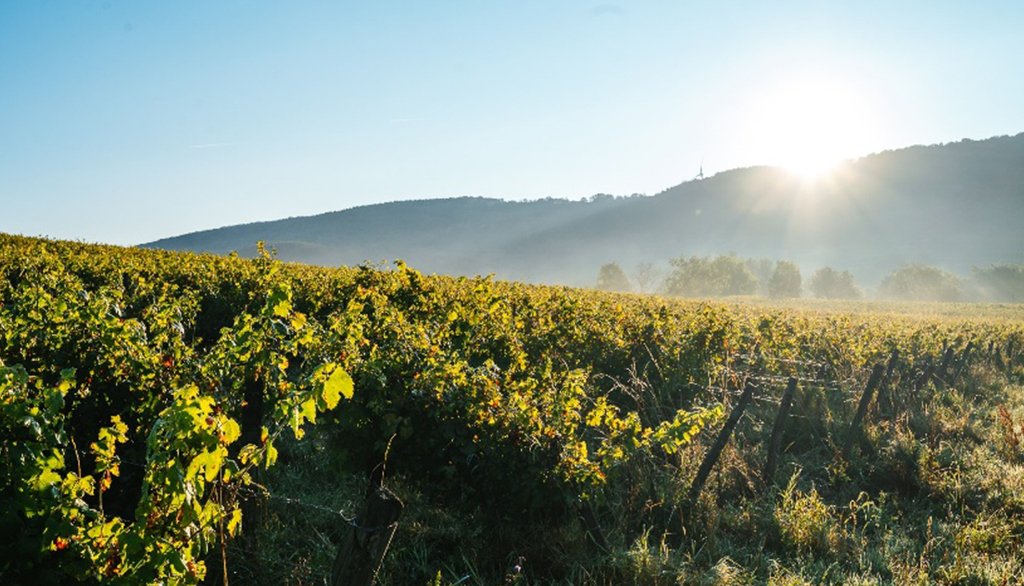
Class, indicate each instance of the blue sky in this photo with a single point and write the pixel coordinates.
(124, 122)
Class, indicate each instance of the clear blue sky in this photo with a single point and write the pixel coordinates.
(127, 121)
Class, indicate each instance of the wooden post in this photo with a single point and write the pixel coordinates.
(940, 374)
(777, 429)
(924, 375)
(947, 360)
(892, 363)
(889, 369)
(862, 409)
(716, 449)
(997, 356)
(924, 378)
(366, 541)
(964, 358)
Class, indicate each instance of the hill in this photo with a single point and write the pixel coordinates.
(953, 205)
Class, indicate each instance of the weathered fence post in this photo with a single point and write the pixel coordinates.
(962, 364)
(366, 541)
(997, 356)
(777, 429)
(892, 363)
(941, 375)
(716, 448)
(924, 376)
(927, 376)
(862, 408)
(885, 392)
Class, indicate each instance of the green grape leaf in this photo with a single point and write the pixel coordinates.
(308, 408)
(338, 384)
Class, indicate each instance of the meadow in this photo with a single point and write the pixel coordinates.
(180, 419)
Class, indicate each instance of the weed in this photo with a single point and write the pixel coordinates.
(806, 524)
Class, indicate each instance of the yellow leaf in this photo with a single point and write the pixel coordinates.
(231, 430)
(234, 522)
(338, 384)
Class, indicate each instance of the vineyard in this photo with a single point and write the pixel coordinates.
(174, 418)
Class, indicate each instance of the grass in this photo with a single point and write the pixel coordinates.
(934, 495)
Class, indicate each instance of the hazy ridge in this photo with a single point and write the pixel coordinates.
(954, 205)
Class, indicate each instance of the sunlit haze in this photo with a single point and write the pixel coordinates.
(809, 124)
(124, 122)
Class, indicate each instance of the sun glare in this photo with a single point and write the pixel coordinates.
(809, 126)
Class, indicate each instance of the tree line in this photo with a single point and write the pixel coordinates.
(729, 274)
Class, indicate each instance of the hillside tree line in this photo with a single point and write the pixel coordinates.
(730, 275)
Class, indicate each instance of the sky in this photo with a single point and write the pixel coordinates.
(127, 121)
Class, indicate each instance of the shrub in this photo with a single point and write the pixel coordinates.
(829, 283)
(785, 280)
(698, 276)
(920, 283)
(805, 521)
(613, 278)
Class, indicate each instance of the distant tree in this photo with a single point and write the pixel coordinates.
(920, 283)
(611, 277)
(829, 283)
(691, 277)
(785, 280)
(762, 269)
(701, 276)
(999, 283)
(646, 276)
(737, 277)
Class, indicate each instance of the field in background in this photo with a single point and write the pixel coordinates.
(1001, 312)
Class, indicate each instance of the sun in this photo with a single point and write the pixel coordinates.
(809, 125)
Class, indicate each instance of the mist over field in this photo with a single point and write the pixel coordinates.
(937, 222)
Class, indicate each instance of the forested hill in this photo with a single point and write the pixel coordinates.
(953, 205)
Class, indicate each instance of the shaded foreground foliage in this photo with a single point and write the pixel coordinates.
(536, 435)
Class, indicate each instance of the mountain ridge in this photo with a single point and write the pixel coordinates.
(954, 205)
